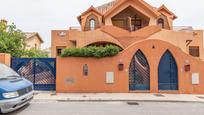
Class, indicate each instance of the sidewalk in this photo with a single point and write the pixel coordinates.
(69, 97)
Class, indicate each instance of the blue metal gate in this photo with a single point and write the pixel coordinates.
(139, 73)
(168, 72)
(40, 71)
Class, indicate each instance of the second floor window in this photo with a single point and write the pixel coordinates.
(92, 24)
(59, 52)
(194, 51)
(161, 22)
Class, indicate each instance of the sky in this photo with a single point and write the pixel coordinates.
(42, 16)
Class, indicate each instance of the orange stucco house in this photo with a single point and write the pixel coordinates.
(156, 56)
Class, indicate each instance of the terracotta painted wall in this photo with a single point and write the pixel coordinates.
(5, 59)
(198, 41)
(178, 38)
(84, 38)
(59, 41)
(94, 82)
(70, 75)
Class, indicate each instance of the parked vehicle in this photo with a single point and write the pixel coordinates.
(15, 91)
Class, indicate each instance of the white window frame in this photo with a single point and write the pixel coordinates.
(92, 24)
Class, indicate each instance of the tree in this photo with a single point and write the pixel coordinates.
(11, 39)
(35, 53)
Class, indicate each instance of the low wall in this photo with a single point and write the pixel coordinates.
(70, 76)
(5, 58)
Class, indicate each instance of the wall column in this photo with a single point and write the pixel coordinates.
(5, 59)
(154, 77)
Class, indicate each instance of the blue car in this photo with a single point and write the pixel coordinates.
(15, 91)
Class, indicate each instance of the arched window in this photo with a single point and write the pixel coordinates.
(92, 24)
(161, 22)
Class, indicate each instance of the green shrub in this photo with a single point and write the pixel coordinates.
(35, 53)
(92, 51)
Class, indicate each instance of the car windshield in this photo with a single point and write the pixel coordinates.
(7, 72)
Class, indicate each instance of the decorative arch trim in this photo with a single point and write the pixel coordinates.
(98, 41)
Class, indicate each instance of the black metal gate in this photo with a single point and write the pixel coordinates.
(40, 71)
(139, 73)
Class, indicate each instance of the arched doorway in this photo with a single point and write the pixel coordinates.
(168, 72)
(139, 72)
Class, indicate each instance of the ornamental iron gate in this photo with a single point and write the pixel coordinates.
(168, 72)
(139, 72)
(40, 71)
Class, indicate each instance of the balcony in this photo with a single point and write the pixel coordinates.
(76, 33)
(78, 28)
(130, 19)
(96, 36)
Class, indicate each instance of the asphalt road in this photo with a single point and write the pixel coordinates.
(110, 108)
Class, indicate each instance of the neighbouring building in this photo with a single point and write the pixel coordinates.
(33, 40)
(156, 56)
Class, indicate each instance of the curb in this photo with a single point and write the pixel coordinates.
(100, 100)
